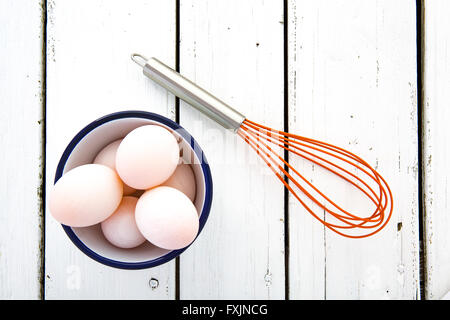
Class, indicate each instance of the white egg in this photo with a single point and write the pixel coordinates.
(120, 228)
(167, 218)
(147, 157)
(85, 195)
(183, 179)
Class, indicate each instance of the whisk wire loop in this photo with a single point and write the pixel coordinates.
(260, 137)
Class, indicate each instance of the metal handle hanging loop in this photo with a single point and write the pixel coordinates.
(189, 92)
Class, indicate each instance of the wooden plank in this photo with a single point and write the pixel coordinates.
(436, 154)
(90, 74)
(235, 50)
(352, 82)
(21, 74)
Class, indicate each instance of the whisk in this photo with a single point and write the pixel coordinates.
(267, 143)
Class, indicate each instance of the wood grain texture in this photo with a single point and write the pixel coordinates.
(21, 165)
(436, 155)
(352, 82)
(235, 50)
(90, 74)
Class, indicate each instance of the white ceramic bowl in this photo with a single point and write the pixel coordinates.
(82, 150)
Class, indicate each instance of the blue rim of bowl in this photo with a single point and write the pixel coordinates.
(205, 168)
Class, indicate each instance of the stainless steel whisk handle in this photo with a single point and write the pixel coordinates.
(188, 91)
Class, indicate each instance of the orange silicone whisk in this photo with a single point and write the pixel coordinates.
(268, 143)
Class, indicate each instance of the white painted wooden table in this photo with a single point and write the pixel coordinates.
(341, 71)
